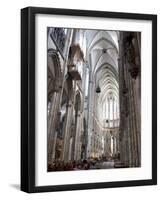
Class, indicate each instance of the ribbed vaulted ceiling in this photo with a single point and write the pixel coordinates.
(102, 49)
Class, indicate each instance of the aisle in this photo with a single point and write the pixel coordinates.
(105, 165)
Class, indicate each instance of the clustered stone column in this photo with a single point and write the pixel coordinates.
(90, 111)
(113, 112)
(129, 89)
(72, 143)
(108, 113)
(54, 110)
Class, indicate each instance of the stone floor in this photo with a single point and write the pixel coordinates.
(104, 165)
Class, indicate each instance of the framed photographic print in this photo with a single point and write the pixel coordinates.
(88, 99)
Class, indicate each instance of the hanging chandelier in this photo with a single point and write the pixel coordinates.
(98, 89)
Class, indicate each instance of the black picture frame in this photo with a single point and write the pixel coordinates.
(28, 99)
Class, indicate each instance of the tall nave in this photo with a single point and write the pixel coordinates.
(94, 99)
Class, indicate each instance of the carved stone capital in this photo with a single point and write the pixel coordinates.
(133, 70)
(130, 55)
(124, 91)
(69, 104)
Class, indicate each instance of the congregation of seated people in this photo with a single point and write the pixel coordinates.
(71, 165)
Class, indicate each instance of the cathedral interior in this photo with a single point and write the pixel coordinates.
(93, 99)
